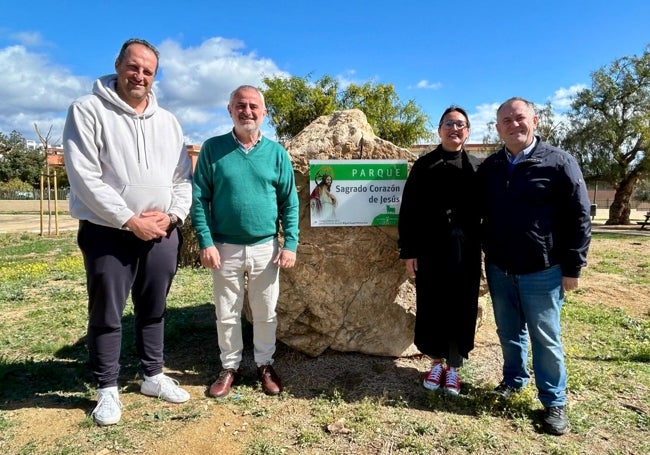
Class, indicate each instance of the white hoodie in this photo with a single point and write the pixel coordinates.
(121, 163)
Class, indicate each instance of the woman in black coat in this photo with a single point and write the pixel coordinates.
(439, 243)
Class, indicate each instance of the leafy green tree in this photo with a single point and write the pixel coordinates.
(14, 185)
(293, 103)
(609, 129)
(400, 124)
(19, 162)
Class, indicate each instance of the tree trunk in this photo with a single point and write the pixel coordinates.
(189, 256)
(619, 211)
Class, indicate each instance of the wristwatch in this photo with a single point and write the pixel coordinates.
(174, 221)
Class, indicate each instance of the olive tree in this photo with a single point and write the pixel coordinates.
(293, 103)
(609, 129)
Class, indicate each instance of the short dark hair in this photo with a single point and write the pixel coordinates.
(454, 108)
(145, 43)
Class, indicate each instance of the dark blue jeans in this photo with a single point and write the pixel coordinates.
(118, 263)
(530, 305)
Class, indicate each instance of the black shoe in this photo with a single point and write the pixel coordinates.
(505, 390)
(555, 420)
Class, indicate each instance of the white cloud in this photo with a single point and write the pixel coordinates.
(205, 75)
(485, 114)
(28, 39)
(33, 90)
(347, 79)
(425, 84)
(194, 83)
(562, 98)
(29, 82)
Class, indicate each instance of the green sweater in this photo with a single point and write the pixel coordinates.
(242, 198)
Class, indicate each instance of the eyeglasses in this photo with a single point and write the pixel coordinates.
(450, 123)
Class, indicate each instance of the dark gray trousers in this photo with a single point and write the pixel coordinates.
(117, 262)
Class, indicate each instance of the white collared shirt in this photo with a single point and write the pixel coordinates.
(242, 146)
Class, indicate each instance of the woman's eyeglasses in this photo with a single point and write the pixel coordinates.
(450, 124)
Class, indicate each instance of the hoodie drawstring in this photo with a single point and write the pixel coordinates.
(139, 122)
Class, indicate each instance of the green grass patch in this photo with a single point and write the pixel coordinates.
(43, 365)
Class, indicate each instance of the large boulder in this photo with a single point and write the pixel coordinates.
(348, 291)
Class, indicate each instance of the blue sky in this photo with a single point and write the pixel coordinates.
(472, 53)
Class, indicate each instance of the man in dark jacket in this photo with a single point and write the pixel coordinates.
(536, 233)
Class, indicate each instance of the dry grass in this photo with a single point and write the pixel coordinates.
(337, 403)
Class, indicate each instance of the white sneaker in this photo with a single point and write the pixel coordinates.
(109, 407)
(164, 387)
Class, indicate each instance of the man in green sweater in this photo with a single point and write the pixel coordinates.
(243, 192)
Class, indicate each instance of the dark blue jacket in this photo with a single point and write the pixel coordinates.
(535, 215)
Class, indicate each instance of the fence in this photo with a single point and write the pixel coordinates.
(604, 198)
(62, 193)
(604, 203)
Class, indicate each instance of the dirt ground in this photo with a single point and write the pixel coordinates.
(223, 427)
(30, 216)
(49, 218)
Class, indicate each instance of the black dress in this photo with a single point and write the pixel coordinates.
(439, 225)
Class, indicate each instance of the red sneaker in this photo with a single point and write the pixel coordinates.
(434, 378)
(452, 381)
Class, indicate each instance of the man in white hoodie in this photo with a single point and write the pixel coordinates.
(130, 187)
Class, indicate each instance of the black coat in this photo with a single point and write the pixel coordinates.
(537, 214)
(439, 224)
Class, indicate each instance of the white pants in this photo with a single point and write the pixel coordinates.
(237, 261)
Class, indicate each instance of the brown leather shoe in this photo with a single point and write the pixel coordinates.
(221, 387)
(270, 380)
